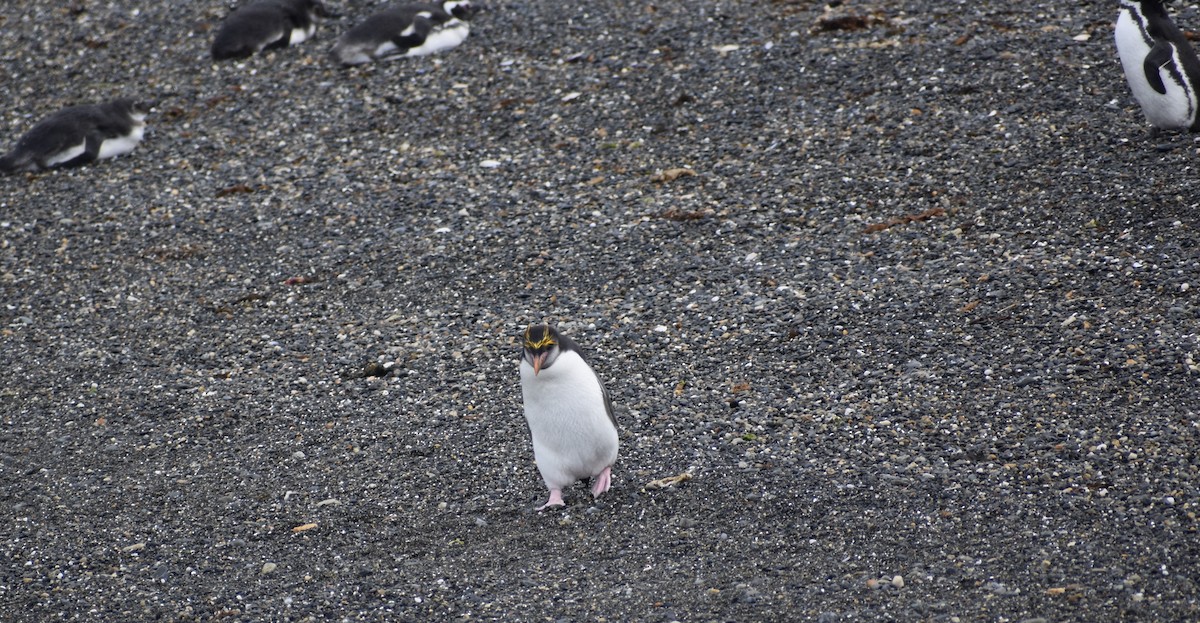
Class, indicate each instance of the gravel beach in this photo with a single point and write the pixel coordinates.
(903, 300)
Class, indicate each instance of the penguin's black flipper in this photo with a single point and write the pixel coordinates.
(416, 34)
(1161, 54)
(91, 153)
(91, 149)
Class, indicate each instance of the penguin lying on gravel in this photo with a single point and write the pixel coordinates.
(406, 30)
(78, 135)
(266, 24)
(1160, 65)
(569, 414)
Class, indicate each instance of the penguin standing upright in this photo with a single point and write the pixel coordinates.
(78, 135)
(406, 30)
(569, 414)
(266, 24)
(1160, 65)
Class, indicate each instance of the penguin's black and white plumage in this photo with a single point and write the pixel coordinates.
(78, 135)
(569, 414)
(406, 30)
(1160, 65)
(266, 24)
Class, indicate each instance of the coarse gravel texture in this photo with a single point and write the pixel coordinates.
(907, 291)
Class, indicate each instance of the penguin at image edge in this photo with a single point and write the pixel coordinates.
(79, 135)
(265, 25)
(1160, 65)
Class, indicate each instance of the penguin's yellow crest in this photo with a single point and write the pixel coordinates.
(546, 340)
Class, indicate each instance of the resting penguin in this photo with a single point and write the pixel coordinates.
(78, 135)
(405, 30)
(1160, 65)
(266, 24)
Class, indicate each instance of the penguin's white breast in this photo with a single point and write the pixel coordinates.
(564, 404)
(298, 35)
(119, 145)
(573, 437)
(1132, 43)
(450, 35)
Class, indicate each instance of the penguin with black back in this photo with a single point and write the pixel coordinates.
(79, 135)
(265, 25)
(406, 30)
(569, 414)
(1160, 65)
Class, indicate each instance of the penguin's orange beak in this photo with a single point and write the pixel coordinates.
(538, 360)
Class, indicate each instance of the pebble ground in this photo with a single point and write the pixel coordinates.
(907, 292)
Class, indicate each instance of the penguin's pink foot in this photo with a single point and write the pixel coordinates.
(603, 480)
(555, 500)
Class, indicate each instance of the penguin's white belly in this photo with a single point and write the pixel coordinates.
(1171, 110)
(349, 56)
(120, 145)
(449, 36)
(385, 48)
(298, 35)
(67, 154)
(573, 437)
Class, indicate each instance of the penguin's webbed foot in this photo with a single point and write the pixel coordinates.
(556, 499)
(602, 482)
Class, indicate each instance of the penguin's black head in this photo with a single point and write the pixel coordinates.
(462, 9)
(541, 346)
(137, 109)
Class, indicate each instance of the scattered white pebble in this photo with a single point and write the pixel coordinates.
(571, 96)
(898, 581)
(269, 567)
(489, 164)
